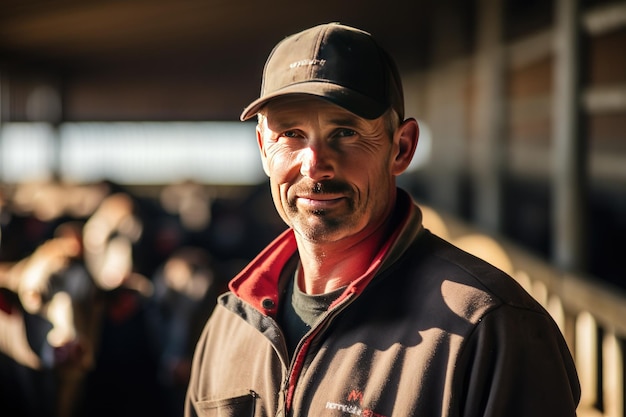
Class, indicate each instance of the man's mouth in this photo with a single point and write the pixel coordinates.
(318, 202)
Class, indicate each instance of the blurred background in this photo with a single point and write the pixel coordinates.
(130, 193)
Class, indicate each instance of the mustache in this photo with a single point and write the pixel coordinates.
(324, 187)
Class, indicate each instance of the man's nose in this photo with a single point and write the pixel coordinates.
(317, 162)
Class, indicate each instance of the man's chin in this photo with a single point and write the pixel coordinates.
(321, 231)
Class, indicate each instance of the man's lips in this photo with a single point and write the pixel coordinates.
(320, 201)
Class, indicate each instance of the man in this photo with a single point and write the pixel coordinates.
(357, 309)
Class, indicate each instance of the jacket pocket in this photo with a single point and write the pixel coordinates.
(239, 406)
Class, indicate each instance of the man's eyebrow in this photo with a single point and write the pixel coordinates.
(278, 125)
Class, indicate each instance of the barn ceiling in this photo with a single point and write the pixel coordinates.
(107, 32)
(219, 45)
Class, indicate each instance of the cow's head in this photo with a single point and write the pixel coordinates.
(58, 298)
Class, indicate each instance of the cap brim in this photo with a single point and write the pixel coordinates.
(350, 100)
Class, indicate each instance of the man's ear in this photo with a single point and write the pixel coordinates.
(259, 140)
(405, 141)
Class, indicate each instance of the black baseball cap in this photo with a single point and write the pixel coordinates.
(339, 63)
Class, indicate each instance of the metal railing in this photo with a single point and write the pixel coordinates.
(591, 314)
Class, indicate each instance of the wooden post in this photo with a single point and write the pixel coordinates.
(569, 154)
(488, 153)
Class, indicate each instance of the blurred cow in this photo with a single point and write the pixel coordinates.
(186, 287)
(99, 316)
(48, 326)
(61, 312)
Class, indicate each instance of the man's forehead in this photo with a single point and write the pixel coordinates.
(291, 109)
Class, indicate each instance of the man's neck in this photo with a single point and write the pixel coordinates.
(326, 267)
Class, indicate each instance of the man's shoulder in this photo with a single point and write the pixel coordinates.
(466, 277)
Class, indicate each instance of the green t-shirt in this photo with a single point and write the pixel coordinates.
(300, 311)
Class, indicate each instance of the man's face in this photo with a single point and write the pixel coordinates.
(331, 172)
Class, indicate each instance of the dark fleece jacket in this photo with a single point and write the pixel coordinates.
(428, 330)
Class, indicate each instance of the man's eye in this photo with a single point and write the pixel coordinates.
(290, 134)
(345, 133)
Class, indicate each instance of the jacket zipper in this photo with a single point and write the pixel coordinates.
(306, 342)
